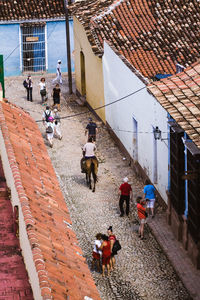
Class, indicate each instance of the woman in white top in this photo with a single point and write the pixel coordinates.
(43, 90)
(96, 254)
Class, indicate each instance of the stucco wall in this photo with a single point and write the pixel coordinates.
(93, 70)
(120, 81)
(56, 45)
(9, 43)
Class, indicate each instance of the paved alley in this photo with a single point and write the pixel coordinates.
(142, 269)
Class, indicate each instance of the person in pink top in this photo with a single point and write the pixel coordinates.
(106, 254)
(112, 239)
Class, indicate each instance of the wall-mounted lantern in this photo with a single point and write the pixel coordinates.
(158, 134)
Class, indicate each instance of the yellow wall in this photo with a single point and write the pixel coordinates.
(93, 70)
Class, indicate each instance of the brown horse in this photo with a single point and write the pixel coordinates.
(91, 168)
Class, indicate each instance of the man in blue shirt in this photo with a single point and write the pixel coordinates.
(149, 192)
(91, 129)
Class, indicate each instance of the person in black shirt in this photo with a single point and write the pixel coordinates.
(91, 129)
(29, 88)
(56, 96)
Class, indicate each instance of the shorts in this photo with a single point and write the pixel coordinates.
(105, 260)
(96, 255)
(143, 221)
(93, 136)
(150, 203)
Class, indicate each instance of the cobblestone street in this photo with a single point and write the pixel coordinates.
(142, 269)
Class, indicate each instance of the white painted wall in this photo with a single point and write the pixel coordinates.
(120, 81)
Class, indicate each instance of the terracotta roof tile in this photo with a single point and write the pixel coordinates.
(59, 261)
(29, 9)
(179, 95)
(156, 31)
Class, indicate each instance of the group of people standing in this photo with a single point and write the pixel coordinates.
(145, 205)
(104, 252)
(56, 92)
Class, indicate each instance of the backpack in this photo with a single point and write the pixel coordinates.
(116, 246)
(49, 129)
(47, 115)
(25, 84)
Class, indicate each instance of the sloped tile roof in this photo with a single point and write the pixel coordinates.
(180, 96)
(11, 10)
(59, 261)
(150, 34)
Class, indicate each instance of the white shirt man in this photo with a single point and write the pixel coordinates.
(89, 149)
(58, 73)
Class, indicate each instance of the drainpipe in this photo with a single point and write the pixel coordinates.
(68, 46)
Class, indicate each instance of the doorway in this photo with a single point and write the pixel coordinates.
(135, 139)
(83, 83)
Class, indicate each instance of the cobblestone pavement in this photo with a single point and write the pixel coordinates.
(142, 269)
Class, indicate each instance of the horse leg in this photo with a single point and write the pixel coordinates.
(94, 178)
(90, 183)
(87, 179)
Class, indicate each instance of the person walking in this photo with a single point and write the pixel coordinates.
(106, 254)
(149, 192)
(91, 130)
(125, 192)
(29, 88)
(58, 73)
(46, 114)
(43, 90)
(142, 215)
(97, 253)
(112, 239)
(56, 96)
(50, 130)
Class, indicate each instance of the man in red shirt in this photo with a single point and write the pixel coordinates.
(125, 192)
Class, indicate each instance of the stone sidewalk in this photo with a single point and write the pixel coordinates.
(189, 275)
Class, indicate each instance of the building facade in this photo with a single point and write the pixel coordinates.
(134, 119)
(33, 41)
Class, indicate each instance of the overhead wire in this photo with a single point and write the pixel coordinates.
(100, 107)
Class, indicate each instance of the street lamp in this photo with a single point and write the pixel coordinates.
(157, 133)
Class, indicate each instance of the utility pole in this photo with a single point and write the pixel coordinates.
(68, 46)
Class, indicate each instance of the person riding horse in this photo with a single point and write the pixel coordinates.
(89, 162)
(89, 156)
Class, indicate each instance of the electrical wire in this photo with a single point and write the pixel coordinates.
(100, 107)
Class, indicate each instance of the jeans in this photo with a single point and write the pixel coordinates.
(29, 94)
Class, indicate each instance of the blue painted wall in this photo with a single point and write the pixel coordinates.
(56, 36)
(56, 47)
(9, 40)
